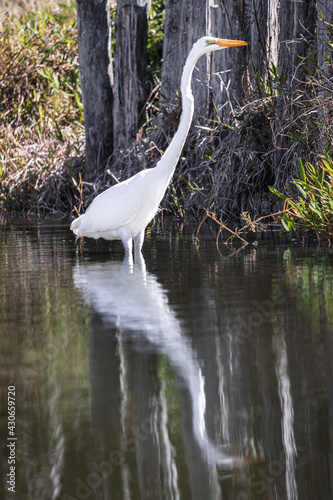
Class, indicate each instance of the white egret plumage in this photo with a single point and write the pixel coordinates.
(124, 210)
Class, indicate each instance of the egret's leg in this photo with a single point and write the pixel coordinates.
(128, 264)
(141, 266)
(138, 241)
(126, 239)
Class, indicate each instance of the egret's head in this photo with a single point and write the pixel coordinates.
(209, 44)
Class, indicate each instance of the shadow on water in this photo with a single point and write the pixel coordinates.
(190, 374)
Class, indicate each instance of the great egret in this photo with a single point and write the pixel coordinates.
(124, 210)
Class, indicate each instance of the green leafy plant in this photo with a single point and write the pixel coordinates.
(312, 209)
(268, 86)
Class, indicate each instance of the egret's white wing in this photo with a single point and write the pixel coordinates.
(115, 207)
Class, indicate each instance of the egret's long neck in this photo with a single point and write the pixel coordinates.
(167, 164)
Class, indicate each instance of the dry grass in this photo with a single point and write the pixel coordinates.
(41, 130)
(45, 183)
(18, 7)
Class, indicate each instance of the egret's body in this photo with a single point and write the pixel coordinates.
(124, 210)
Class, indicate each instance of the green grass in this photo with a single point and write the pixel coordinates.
(41, 113)
(39, 73)
(312, 209)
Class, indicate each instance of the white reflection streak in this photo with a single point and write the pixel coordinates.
(160, 426)
(122, 378)
(57, 458)
(123, 403)
(287, 420)
(222, 395)
(131, 298)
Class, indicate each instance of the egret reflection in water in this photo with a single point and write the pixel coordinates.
(106, 412)
(130, 299)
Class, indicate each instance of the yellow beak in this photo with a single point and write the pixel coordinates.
(229, 43)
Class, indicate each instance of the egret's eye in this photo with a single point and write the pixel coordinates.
(210, 42)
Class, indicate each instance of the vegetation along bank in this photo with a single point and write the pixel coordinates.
(261, 139)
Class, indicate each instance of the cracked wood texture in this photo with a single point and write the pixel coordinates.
(95, 69)
(130, 70)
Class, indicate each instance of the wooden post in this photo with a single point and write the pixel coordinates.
(325, 70)
(185, 23)
(95, 71)
(297, 21)
(228, 21)
(130, 69)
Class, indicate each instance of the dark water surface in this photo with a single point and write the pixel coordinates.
(193, 374)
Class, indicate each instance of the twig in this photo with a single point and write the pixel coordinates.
(222, 226)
